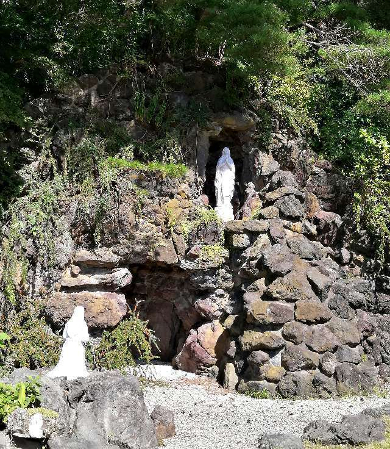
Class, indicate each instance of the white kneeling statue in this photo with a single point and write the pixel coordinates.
(72, 360)
(224, 186)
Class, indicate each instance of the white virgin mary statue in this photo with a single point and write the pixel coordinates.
(224, 186)
(72, 359)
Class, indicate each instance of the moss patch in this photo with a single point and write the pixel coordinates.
(45, 412)
(169, 170)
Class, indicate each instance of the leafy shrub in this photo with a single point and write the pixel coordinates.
(120, 348)
(4, 338)
(21, 395)
(372, 200)
(165, 149)
(359, 142)
(258, 394)
(247, 36)
(213, 253)
(47, 40)
(379, 12)
(10, 182)
(31, 220)
(201, 218)
(11, 97)
(115, 137)
(31, 342)
(83, 159)
(293, 98)
(362, 65)
(151, 109)
(196, 112)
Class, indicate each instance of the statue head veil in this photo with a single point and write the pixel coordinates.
(76, 327)
(225, 158)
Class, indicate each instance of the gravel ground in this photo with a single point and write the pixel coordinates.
(208, 417)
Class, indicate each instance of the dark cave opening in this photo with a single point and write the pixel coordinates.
(215, 151)
(163, 296)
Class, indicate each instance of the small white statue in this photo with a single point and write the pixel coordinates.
(72, 360)
(35, 428)
(224, 186)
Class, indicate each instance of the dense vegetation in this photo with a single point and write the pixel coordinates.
(321, 67)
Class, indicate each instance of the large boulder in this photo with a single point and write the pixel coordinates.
(109, 409)
(290, 207)
(319, 281)
(351, 293)
(213, 305)
(347, 354)
(296, 384)
(102, 309)
(278, 259)
(356, 378)
(304, 248)
(252, 340)
(328, 363)
(281, 192)
(283, 178)
(354, 430)
(269, 312)
(383, 303)
(296, 358)
(328, 226)
(292, 287)
(294, 331)
(272, 373)
(100, 257)
(87, 81)
(266, 164)
(268, 212)
(235, 121)
(345, 331)
(324, 386)
(32, 424)
(277, 231)
(321, 339)
(256, 360)
(165, 253)
(112, 280)
(53, 395)
(256, 226)
(203, 347)
(312, 312)
(104, 410)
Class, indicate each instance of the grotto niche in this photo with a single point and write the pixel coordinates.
(165, 297)
(224, 186)
(214, 154)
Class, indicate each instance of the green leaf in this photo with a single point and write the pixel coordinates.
(22, 395)
(4, 337)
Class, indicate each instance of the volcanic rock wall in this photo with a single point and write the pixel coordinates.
(285, 298)
(278, 310)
